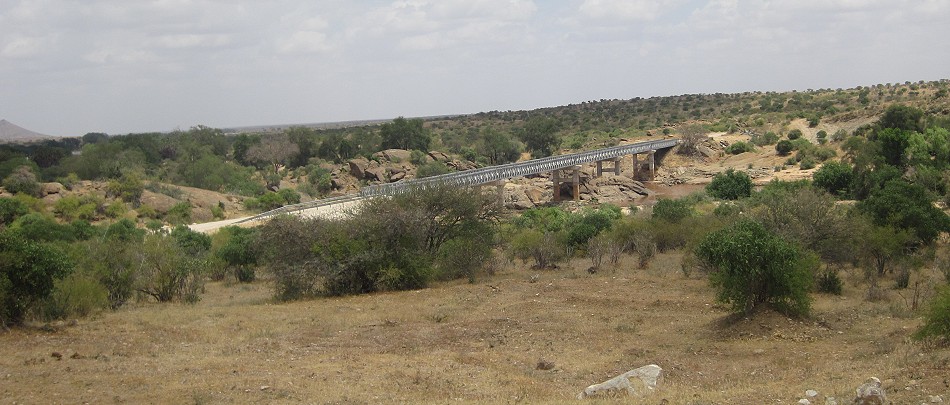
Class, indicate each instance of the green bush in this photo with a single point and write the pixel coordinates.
(937, 319)
(128, 187)
(11, 209)
(834, 177)
(463, 258)
(432, 169)
(807, 164)
(754, 267)
(179, 213)
(38, 227)
(730, 185)
(28, 271)
(238, 251)
(829, 282)
(191, 242)
(672, 210)
(166, 272)
(739, 147)
(544, 248)
(75, 296)
(794, 134)
(783, 147)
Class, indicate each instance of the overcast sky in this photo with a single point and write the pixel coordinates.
(120, 66)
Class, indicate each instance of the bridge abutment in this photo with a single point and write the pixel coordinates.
(573, 178)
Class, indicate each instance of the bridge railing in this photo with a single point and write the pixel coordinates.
(481, 175)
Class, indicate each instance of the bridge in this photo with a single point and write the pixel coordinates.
(496, 174)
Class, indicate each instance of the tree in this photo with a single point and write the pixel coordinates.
(275, 150)
(834, 177)
(28, 271)
(730, 185)
(893, 143)
(755, 267)
(902, 118)
(238, 251)
(808, 217)
(405, 134)
(166, 272)
(906, 206)
(540, 136)
(691, 136)
(498, 147)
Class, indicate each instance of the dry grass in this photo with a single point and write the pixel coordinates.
(473, 343)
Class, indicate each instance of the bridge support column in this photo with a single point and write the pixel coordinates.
(616, 168)
(652, 165)
(651, 160)
(574, 180)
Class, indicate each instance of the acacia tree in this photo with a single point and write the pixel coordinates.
(274, 150)
(540, 136)
(405, 134)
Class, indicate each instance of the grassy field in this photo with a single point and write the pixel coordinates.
(478, 343)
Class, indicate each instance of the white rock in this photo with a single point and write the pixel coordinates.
(651, 375)
(811, 393)
(804, 401)
(936, 399)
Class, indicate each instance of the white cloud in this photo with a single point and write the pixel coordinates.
(623, 10)
(193, 40)
(23, 47)
(307, 42)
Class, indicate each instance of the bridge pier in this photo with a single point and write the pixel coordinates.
(616, 168)
(499, 190)
(574, 180)
(651, 161)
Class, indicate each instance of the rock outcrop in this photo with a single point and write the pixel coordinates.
(650, 375)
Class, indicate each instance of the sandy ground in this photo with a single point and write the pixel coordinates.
(477, 343)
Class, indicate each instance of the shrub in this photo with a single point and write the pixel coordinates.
(22, 180)
(73, 207)
(191, 242)
(829, 282)
(28, 271)
(807, 164)
(543, 247)
(754, 267)
(672, 210)
(432, 169)
(238, 252)
(128, 187)
(794, 134)
(834, 177)
(11, 209)
(167, 273)
(783, 147)
(730, 185)
(38, 227)
(418, 157)
(179, 213)
(124, 230)
(937, 319)
(462, 257)
(739, 147)
(116, 209)
(75, 296)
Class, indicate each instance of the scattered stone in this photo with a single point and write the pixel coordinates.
(376, 173)
(936, 399)
(77, 356)
(51, 188)
(831, 401)
(870, 393)
(397, 176)
(811, 393)
(650, 375)
(265, 387)
(804, 401)
(439, 156)
(56, 355)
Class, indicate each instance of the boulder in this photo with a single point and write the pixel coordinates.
(707, 152)
(439, 157)
(518, 200)
(51, 188)
(358, 167)
(870, 393)
(396, 176)
(650, 375)
(394, 155)
(535, 195)
(377, 174)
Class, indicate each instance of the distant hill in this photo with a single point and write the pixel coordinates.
(10, 132)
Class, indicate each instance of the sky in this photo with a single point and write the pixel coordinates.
(68, 67)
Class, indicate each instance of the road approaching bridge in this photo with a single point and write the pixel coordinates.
(334, 206)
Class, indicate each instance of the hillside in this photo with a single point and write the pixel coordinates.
(10, 132)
